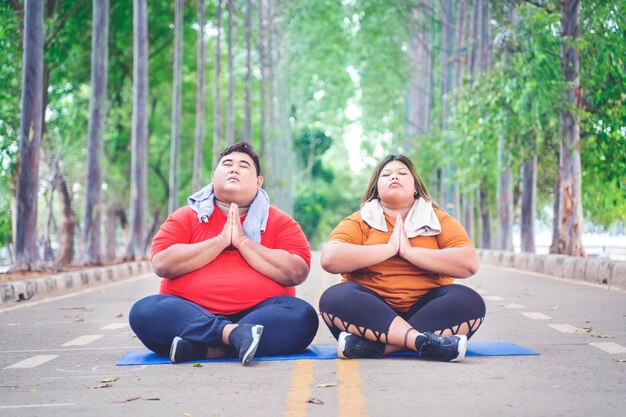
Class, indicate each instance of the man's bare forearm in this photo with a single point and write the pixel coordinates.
(182, 258)
(283, 267)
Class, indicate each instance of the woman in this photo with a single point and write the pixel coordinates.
(398, 257)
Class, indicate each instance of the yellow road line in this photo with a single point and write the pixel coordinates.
(300, 389)
(350, 398)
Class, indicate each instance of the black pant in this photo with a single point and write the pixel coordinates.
(442, 308)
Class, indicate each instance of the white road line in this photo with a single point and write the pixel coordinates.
(536, 316)
(114, 326)
(32, 361)
(513, 305)
(609, 347)
(493, 298)
(5, 407)
(565, 328)
(83, 340)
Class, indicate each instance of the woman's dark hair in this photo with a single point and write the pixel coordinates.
(372, 187)
(243, 147)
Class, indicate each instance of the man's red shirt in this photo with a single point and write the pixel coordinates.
(228, 285)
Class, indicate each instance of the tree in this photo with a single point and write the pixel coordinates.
(97, 114)
(247, 132)
(27, 257)
(139, 141)
(177, 85)
(505, 176)
(198, 155)
(570, 218)
(217, 97)
(230, 123)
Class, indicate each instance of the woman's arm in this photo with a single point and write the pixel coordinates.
(461, 262)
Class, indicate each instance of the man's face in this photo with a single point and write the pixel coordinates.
(235, 179)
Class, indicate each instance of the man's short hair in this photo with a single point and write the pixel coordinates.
(243, 147)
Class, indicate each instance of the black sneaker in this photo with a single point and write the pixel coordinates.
(350, 346)
(444, 348)
(245, 338)
(183, 350)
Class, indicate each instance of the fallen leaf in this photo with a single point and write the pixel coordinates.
(127, 400)
(103, 386)
(187, 414)
(315, 401)
(112, 379)
(326, 385)
(620, 360)
(554, 307)
(197, 365)
(603, 336)
(119, 316)
(584, 329)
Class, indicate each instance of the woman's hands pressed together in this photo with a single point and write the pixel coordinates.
(398, 241)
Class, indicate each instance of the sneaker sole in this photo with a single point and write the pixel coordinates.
(462, 348)
(173, 349)
(341, 345)
(257, 331)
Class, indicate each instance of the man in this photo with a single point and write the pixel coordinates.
(228, 288)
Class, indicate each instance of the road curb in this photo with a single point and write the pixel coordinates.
(17, 291)
(602, 271)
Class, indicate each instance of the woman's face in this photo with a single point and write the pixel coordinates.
(396, 185)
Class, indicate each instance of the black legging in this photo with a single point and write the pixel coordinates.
(443, 308)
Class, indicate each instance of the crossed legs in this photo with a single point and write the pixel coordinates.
(449, 310)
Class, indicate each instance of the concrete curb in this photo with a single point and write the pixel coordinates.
(14, 291)
(602, 271)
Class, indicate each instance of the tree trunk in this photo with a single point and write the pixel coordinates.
(217, 99)
(570, 192)
(110, 233)
(485, 231)
(554, 246)
(154, 227)
(468, 215)
(505, 177)
(95, 141)
(68, 223)
(419, 89)
(528, 203)
(139, 141)
(247, 133)
(177, 88)
(230, 123)
(27, 257)
(263, 102)
(198, 154)
(48, 255)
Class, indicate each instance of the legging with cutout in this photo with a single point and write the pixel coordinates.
(443, 308)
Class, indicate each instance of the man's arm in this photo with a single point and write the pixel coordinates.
(283, 267)
(182, 258)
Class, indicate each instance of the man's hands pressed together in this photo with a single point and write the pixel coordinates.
(233, 233)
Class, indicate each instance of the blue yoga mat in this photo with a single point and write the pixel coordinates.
(330, 352)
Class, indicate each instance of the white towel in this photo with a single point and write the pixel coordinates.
(203, 203)
(420, 220)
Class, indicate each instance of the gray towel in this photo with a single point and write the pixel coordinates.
(203, 203)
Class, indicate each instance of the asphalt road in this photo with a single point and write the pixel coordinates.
(58, 358)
